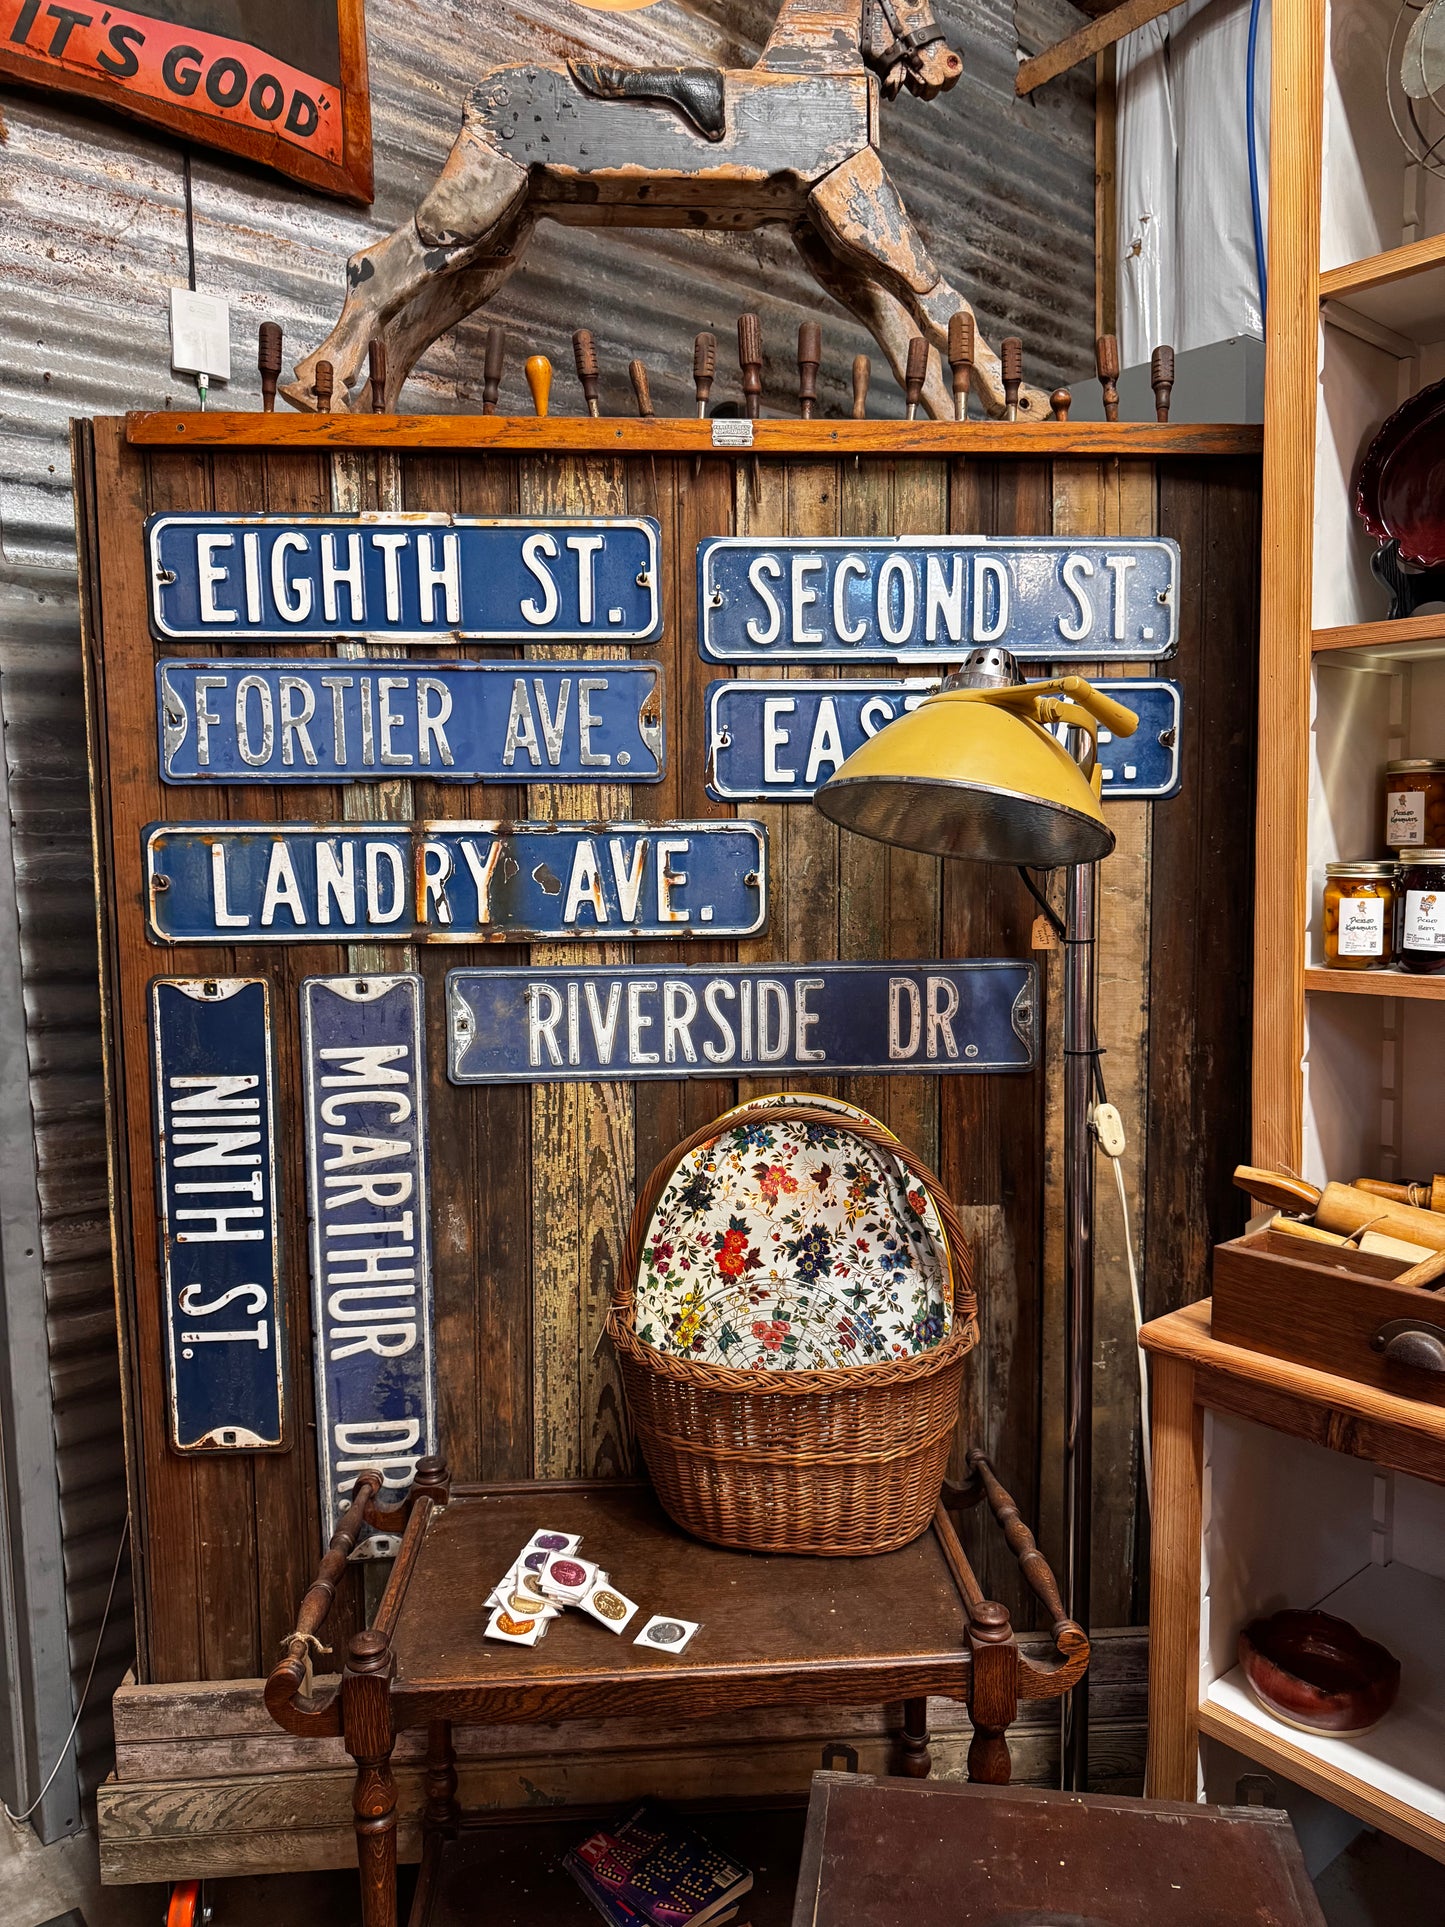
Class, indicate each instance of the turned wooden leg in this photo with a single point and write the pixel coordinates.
(442, 1812)
(917, 1761)
(369, 1737)
(993, 1697)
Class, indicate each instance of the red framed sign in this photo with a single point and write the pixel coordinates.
(285, 86)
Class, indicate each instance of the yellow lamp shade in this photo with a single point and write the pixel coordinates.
(974, 773)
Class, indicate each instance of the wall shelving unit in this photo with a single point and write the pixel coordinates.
(1275, 1485)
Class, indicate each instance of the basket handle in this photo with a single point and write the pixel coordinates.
(960, 1253)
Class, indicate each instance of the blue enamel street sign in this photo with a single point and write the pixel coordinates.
(780, 741)
(453, 882)
(220, 1241)
(243, 721)
(780, 1020)
(363, 1080)
(420, 578)
(933, 598)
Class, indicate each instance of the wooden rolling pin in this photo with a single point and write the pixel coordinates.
(1371, 1242)
(1429, 1197)
(1342, 1207)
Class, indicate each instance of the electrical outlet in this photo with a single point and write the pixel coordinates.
(200, 334)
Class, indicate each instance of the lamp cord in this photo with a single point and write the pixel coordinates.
(1094, 1051)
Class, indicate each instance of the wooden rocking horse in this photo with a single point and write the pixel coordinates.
(790, 141)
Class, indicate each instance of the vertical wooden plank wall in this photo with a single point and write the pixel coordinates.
(532, 1187)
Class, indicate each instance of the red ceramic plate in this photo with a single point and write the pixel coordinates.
(1401, 490)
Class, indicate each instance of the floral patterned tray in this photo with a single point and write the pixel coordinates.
(792, 1246)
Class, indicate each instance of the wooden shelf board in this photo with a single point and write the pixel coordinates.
(528, 434)
(1402, 289)
(1393, 1777)
(1417, 635)
(1376, 983)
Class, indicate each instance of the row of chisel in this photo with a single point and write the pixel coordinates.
(538, 371)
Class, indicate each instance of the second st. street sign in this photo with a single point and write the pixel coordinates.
(932, 598)
(452, 882)
(244, 721)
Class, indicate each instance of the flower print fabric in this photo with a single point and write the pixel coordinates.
(792, 1246)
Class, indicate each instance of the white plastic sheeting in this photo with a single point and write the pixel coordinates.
(1187, 271)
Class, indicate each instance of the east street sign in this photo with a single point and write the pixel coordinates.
(556, 1024)
(419, 578)
(363, 1081)
(219, 1221)
(933, 598)
(239, 720)
(453, 882)
(780, 741)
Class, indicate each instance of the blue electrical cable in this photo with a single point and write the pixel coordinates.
(1254, 207)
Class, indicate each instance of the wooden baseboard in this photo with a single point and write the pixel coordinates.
(206, 1786)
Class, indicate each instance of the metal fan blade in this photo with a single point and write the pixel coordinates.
(1422, 65)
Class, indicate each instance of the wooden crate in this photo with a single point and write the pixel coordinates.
(1321, 1306)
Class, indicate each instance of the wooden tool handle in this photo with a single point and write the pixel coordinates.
(1161, 380)
(960, 359)
(862, 371)
(637, 375)
(1342, 1207)
(1060, 402)
(750, 360)
(704, 367)
(1277, 1188)
(915, 373)
(1428, 1272)
(538, 371)
(1429, 1197)
(376, 371)
(322, 385)
(268, 361)
(584, 354)
(810, 357)
(1011, 362)
(1106, 360)
(493, 362)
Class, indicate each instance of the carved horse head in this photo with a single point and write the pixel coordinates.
(905, 46)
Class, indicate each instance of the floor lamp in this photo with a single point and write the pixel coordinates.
(976, 771)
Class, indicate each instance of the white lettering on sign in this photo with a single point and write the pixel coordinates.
(370, 1277)
(213, 1145)
(714, 1020)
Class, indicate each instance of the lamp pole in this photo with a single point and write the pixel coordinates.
(1081, 998)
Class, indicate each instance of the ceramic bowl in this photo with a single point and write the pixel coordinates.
(1317, 1672)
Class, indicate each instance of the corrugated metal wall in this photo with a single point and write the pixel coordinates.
(93, 232)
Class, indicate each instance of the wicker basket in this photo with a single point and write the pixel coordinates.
(836, 1463)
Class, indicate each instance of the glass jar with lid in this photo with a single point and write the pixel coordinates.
(1415, 803)
(1359, 915)
(1422, 926)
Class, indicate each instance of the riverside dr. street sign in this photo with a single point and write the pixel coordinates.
(363, 1083)
(239, 720)
(447, 881)
(779, 742)
(219, 1218)
(932, 598)
(556, 1024)
(399, 578)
